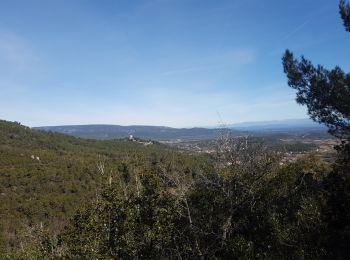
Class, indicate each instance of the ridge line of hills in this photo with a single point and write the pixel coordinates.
(107, 131)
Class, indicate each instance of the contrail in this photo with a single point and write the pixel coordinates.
(297, 29)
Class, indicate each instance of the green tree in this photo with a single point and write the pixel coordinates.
(326, 93)
(345, 14)
(127, 222)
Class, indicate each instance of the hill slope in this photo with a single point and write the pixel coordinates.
(44, 177)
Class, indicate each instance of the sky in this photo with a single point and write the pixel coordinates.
(179, 63)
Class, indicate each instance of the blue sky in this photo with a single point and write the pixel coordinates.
(178, 63)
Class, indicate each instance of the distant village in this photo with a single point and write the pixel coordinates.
(323, 147)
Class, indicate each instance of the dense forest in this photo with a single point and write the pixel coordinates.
(128, 200)
(44, 177)
(64, 197)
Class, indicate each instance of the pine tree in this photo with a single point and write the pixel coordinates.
(326, 93)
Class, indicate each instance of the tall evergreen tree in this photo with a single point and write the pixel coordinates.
(326, 93)
(345, 14)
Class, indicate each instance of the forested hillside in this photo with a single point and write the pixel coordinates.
(64, 197)
(45, 177)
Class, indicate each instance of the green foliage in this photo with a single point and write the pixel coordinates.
(326, 93)
(279, 214)
(124, 223)
(51, 189)
(152, 202)
(344, 10)
(324, 209)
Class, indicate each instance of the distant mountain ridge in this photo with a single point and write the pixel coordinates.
(145, 132)
(276, 125)
(96, 131)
